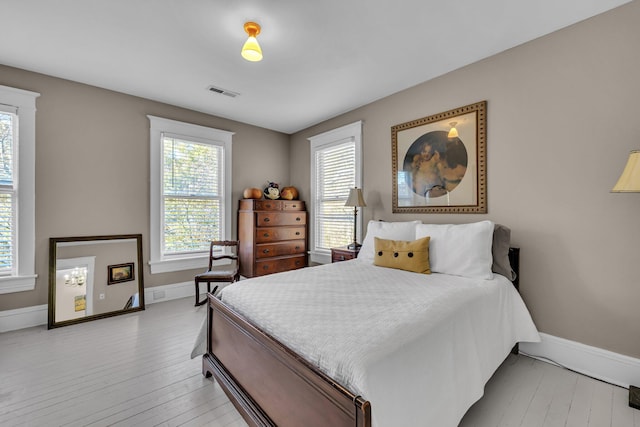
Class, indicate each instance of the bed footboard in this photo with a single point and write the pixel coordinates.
(269, 384)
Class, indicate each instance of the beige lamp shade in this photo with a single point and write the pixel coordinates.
(355, 198)
(629, 181)
(453, 132)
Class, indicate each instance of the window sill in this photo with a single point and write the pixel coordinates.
(12, 284)
(320, 257)
(178, 264)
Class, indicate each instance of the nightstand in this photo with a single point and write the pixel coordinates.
(343, 254)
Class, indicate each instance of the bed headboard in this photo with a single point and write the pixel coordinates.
(514, 260)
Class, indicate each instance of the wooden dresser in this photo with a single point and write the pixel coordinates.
(273, 236)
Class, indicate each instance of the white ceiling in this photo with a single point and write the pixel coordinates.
(321, 58)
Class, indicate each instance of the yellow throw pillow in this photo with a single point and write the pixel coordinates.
(410, 256)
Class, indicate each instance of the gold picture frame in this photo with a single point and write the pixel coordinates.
(437, 169)
(121, 273)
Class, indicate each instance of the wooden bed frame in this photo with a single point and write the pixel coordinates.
(270, 385)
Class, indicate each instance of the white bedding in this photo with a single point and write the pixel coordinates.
(401, 340)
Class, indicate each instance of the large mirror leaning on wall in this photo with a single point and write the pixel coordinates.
(92, 277)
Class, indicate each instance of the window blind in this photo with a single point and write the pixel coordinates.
(335, 175)
(8, 192)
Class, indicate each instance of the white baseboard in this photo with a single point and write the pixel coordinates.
(20, 318)
(169, 292)
(602, 364)
(27, 317)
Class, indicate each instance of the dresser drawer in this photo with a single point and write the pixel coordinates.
(271, 205)
(265, 219)
(267, 205)
(293, 205)
(292, 247)
(274, 234)
(277, 265)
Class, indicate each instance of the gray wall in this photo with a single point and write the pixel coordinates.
(92, 167)
(562, 117)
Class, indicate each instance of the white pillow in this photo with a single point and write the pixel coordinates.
(385, 230)
(460, 250)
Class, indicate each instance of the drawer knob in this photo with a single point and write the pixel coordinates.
(298, 219)
(265, 251)
(266, 234)
(265, 267)
(297, 233)
(297, 262)
(295, 206)
(297, 247)
(266, 220)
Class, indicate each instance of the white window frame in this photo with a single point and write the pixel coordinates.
(159, 126)
(24, 276)
(320, 142)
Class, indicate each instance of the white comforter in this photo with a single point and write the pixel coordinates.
(419, 347)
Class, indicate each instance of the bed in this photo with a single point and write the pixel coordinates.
(357, 344)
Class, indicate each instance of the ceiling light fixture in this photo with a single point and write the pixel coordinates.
(453, 132)
(251, 50)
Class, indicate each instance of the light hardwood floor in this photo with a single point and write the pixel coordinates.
(135, 370)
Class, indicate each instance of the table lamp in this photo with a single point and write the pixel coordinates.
(356, 200)
(629, 182)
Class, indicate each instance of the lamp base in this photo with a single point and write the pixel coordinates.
(634, 397)
(354, 246)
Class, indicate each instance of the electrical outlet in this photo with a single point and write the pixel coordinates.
(102, 296)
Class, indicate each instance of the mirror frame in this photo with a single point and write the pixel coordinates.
(53, 244)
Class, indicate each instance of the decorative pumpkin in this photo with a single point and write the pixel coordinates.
(289, 193)
(252, 193)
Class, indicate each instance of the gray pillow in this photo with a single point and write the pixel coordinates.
(500, 252)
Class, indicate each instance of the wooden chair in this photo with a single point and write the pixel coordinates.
(225, 273)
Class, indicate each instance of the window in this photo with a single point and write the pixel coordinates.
(17, 189)
(190, 193)
(8, 190)
(336, 161)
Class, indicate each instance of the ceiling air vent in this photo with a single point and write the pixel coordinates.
(221, 91)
